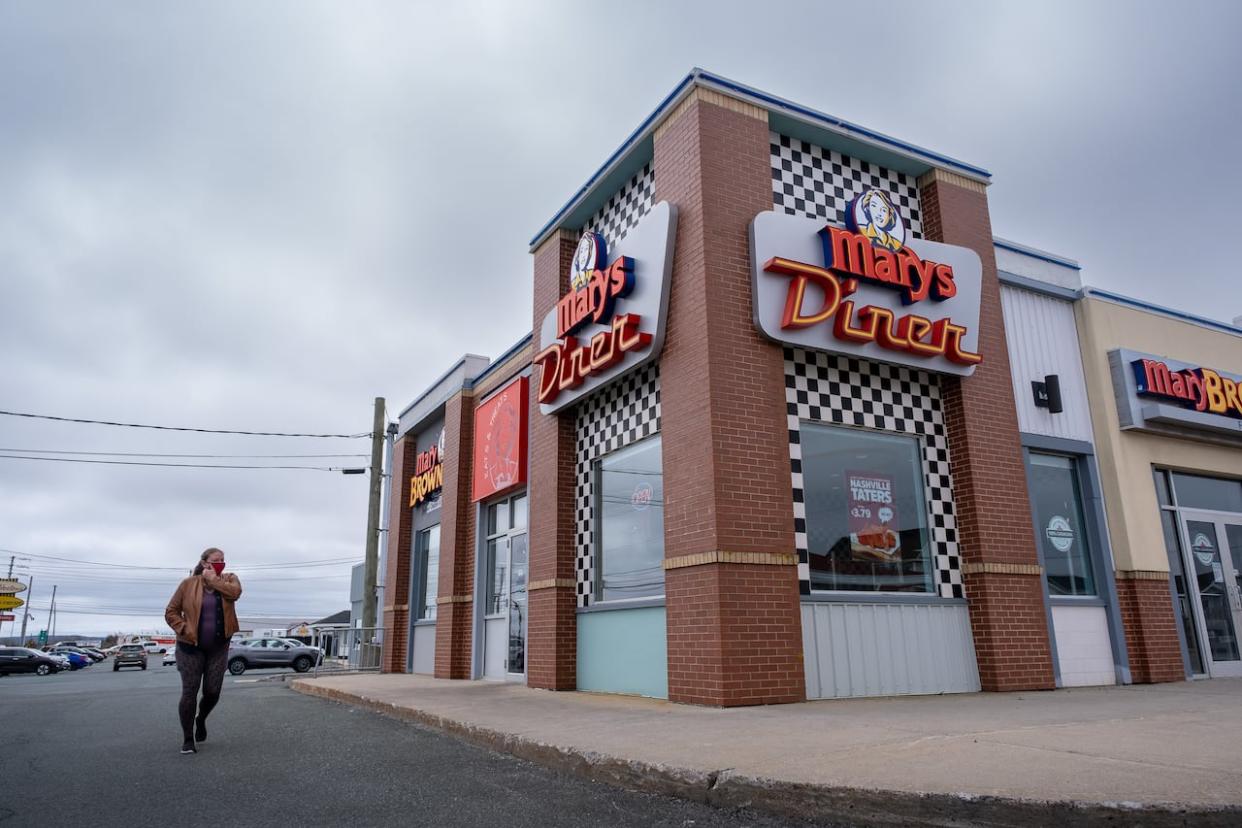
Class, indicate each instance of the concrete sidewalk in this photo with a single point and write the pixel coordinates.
(1153, 755)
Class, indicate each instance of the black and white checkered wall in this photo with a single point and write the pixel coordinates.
(625, 208)
(839, 390)
(811, 181)
(623, 413)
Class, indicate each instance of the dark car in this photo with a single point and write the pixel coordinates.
(25, 660)
(130, 655)
(65, 649)
(259, 653)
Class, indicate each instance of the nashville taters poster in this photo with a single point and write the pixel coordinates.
(873, 518)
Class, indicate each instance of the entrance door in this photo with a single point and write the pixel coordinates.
(505, 609)
(1213, 545)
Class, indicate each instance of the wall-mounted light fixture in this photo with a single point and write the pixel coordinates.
(1048, 393)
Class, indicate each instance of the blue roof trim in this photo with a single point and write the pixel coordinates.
(1148, 306)
(696, 74)
(1014, 247)
(500, 360)
(878, 137)
(616, 155)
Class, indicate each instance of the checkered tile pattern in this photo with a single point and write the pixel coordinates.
(844, 391)
(625, 208)
(818, 183)
(623, 413)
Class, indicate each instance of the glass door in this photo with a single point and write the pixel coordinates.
(508, 567)
(1213, 547)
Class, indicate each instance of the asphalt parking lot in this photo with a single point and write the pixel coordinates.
(99, 748)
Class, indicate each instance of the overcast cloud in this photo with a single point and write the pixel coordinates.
(261, 216)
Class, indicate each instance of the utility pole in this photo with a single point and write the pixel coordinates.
(371, 567)
(51, 616)
(26, 609)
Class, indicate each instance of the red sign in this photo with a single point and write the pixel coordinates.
(428, 477)
(7, 616)
(595, 289)
(873, 517)
(1199, 388)
(500, 440)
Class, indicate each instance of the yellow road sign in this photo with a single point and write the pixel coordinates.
(8, 602)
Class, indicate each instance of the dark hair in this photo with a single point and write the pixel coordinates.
(198, 569)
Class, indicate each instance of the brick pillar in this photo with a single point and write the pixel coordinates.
(1147, 613)
(396, 613)
(1000, 562)
(552, 628)
(734, 627)
(455, 592)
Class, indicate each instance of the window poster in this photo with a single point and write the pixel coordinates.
(872, 517)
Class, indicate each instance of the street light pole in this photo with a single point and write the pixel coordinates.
(371, 567)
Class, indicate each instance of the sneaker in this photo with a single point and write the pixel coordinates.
(200, 730)
(188, 747)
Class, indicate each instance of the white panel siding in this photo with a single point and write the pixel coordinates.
(425, 649)
(1084, 652)
(495, 647)
(887, 650)
(1043, 340)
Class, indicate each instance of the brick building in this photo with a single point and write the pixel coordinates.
(771, 437)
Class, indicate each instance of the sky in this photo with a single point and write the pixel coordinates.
(262, 216)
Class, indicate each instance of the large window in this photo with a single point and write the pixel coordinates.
(866, 515)
(427, 559)
(1059, 525)
(629, 512)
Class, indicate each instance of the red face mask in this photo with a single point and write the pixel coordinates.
(218, 566)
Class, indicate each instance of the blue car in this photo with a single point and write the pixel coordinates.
(76, 660)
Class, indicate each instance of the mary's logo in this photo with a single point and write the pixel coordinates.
(873, 215)
(591, 255)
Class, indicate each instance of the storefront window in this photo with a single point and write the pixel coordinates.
(1060, 526)
(629, 509)
(1196, 492)
(427, 556)
(866, 514)
(1163, 495)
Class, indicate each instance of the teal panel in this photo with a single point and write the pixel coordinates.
(624, 651)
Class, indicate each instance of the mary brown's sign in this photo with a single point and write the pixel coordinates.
(865, 289)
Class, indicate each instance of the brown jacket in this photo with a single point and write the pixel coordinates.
(187, 602)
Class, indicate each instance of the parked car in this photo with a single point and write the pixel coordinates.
(65, 648)
(261, 653)
(76, 660)
(155, 647)
(170, 657)
(130, 655)
(26, 660)
(62, 660)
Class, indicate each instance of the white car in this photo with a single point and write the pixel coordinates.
(170, 657)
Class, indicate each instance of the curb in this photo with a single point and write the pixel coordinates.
(818, 803)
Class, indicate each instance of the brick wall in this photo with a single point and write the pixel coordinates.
(395, 616)
(552, 631)
(734, 629)
(1007, 612)
(454, 597)
(1147, 614)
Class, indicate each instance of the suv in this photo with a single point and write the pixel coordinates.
(130, 655)
(271, 652)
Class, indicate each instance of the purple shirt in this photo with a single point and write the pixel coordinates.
(210, 619)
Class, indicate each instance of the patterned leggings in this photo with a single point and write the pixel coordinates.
(203, 667)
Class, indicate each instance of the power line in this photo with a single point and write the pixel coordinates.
(164, 465)
(198, 456)
(366, 434)
(274, 565)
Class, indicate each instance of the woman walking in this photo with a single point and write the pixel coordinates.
(201, 614)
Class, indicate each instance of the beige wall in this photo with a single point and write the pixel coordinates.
(1126, 457)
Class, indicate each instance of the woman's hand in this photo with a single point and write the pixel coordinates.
(209, 575)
